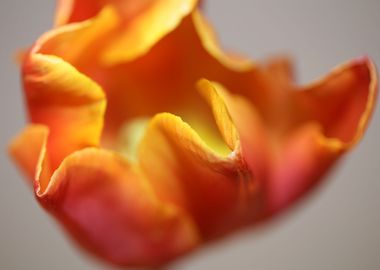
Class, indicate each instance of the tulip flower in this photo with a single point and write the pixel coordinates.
(146, 140)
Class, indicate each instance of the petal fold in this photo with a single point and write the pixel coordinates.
(70, 104)
(215, 190)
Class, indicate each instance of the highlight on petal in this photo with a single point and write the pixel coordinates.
(70, 11)
(162, 17)
(217, 191)
(194, 178)
(210, 43)
(70, 104)
(26, 149)
(221, 114)
(80, 43)
(240, 119)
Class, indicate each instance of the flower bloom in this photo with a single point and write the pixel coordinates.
(146, 140)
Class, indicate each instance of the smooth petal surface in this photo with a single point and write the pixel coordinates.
(244, 147)
(108, 207)
(27, 149)
(106, 204)
(69, 103)
(214, 190)
(69, 11)
(334, 113)
(347, 97)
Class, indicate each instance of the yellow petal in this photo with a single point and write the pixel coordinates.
(219, 192)
(143, 32)
(221, 114)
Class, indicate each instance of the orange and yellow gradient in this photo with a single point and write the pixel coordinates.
(146, 140)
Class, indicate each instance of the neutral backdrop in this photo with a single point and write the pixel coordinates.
(336, 228)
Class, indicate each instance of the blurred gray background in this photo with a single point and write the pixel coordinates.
(336, 228)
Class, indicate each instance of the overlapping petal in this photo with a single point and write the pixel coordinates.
(245, 146)
(66, 101)
(108, 207)
(215, 189)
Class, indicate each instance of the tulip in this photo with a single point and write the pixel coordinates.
(146, 140)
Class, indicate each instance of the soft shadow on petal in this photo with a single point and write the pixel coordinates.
(106, 204)
(335, 112)
(109, 208)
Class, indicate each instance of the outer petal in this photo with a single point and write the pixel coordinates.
(69, 11)
(343, 101)
(134, 18)
(336, 112)
(162, 17)
(70, 104)
(28, 148)
(106, 204)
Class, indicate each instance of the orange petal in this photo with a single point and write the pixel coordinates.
(68, 103)
(162, 17)
(336, 112)
(218, 191)
(109, 208)
(27, 150)
(69, 11)
(80, 43)
(146, 85)
(343, 101)
(305, 158)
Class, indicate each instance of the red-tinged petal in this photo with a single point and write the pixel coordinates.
(68, 103)
(343, 101)
(219, 192)
(304, 159)
(335, 113)
(109, 208)
(105, 203)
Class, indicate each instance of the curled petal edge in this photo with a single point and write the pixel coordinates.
(147, 232)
